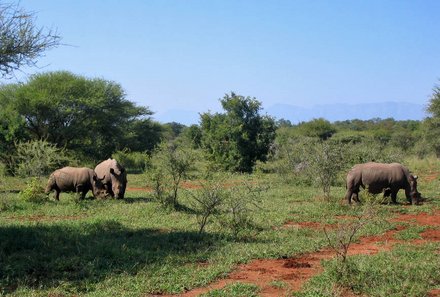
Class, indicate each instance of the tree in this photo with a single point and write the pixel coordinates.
(433, 122)
(320, 128)
(239, 137)
(90, 116)
(21, 42)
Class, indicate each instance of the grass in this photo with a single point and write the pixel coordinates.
(133, 247)
(235, 290)
(408, 270)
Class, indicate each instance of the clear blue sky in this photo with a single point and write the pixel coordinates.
(186, 54)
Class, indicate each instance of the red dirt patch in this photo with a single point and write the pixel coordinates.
(422, 219)
(434, 293)
(431, 235)
(310, 225)
(297, 270)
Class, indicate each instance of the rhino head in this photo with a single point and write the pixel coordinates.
(412, 194)
(98, 187)
(119, 182)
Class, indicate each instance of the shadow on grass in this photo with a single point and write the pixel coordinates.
(45, 256)
(140, 199)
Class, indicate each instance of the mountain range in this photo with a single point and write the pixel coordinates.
(331, 112)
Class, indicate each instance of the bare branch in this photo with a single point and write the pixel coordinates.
(21, 42)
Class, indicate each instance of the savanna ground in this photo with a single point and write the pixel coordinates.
(135, 247)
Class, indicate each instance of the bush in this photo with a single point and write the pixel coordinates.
(239, 205)
(133, 162)
(207, 201)
(38, 158)
(34, 192)
(170, 165)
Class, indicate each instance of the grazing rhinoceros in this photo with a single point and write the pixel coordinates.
(381, 178)
(74, 179)
(114, 177)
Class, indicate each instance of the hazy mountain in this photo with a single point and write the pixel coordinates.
(331, 112)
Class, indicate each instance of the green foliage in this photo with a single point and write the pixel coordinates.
(170, 165)
(433, 122)
(38, 158)
(133, 162)
(325, 159)
(89, 116)
(34, 192)
(238, 138)
(193, 135)
(319, 128)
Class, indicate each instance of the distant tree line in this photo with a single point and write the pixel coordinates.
(92, 119)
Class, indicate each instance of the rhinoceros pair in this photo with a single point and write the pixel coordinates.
(382, 178)
(108, 178)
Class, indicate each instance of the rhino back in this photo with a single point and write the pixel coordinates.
(378, 176)
(68, 178)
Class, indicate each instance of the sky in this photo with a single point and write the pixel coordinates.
(187, 54)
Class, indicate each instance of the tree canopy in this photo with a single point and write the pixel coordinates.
(241, 136)
(91, 116)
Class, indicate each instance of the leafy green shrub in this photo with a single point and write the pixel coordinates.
(134, 162)
(170, 165)
(33, 192)
(38, 158)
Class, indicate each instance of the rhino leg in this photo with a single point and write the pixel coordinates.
(81, 191)
(394, 197)
(351, 194)
(348, 196)
(355, 197)
(57, 195)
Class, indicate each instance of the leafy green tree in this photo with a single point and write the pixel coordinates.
(238, 138)
(90, 116)
(320, 128)
(433, 122)
(21, 41)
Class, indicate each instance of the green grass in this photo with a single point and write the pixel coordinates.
(135, 247)
(408, 270)
(235, 290)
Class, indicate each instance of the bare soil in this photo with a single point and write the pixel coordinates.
(297, 270)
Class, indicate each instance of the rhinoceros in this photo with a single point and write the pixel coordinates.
(74, 179)
(381, 178)
(114, 177)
